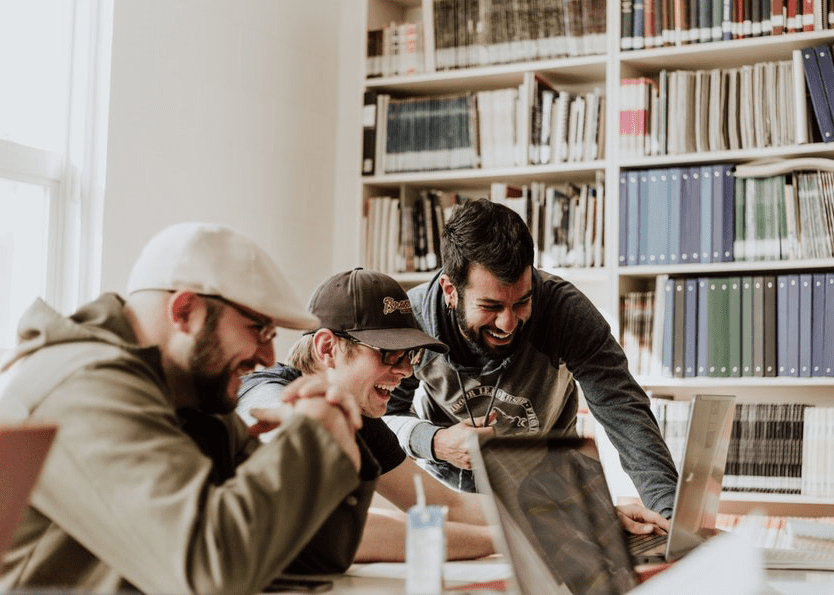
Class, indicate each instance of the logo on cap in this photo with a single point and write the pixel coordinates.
(390, 305)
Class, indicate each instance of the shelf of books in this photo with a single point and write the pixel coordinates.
(677, 166)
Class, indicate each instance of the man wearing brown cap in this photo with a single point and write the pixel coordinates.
(152, 482)
(367, 342)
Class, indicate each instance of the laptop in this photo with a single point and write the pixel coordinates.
(699, 482)
(554, 517)
(23, 451)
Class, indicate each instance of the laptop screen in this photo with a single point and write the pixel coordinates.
(701, 473)
(552, 503)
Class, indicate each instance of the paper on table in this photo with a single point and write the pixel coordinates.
(727, 563)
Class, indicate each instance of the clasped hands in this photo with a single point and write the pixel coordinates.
(335, 409)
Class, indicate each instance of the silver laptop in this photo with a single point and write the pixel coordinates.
(554, 516)
(699, 482)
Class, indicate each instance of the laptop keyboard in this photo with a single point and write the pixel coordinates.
(637, 544)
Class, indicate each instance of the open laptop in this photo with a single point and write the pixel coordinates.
(23, 451)
(554, 517)
(699, 482)
(556, 521)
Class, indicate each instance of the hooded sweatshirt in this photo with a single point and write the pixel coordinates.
(129, 499)
(534, 389)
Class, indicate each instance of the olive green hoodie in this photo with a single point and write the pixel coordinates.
(128, 499)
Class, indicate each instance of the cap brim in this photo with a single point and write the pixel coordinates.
(297, 320)
(399, 338)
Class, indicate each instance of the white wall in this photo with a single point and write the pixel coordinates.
(228, 111)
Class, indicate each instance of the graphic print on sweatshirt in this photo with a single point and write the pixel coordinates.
(515, 414)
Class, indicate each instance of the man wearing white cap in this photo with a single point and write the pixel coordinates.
(152, 483)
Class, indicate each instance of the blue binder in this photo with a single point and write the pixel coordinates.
(819, 100)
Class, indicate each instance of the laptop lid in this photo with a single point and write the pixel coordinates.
(23, 450)
(555, 518)
(701, 473)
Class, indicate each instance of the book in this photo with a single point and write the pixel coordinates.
(369, 120)
(626, 25)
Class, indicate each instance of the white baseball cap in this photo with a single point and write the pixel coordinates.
(215, 260)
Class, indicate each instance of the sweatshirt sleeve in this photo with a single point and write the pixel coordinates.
(129, 485)
(614, 397)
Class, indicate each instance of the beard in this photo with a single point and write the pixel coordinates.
(210, 387)
(475, 337)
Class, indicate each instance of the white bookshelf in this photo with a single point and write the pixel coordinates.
(604, 285)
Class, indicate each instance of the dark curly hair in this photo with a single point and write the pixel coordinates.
(488, 234)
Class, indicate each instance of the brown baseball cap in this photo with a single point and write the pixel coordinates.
(371, 307)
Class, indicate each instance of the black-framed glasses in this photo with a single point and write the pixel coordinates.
(390, 357)
(265, 330)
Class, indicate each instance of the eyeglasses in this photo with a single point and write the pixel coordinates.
(265, 330)
(390, 357)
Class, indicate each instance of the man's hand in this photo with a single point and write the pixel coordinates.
(318, 386)
(333, 408)
(450, 444)
(638, 519)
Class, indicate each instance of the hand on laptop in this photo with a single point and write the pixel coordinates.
(638, 519)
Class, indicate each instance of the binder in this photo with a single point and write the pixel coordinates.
(622, 254)
(678, 344)
(783, 367)
(826, 65)
(734, 327)
(668, 327)
(690, 216)
(703, 326)
(706, 203)
(769, 324)
(674, 197)
(828, 360)
(746, 326)
(658, 217)
(818, 325)
(819, 100)
(806, 288)
(634, 231)
(758, 325)
(645, 230)
(691, 324)
(718, 348)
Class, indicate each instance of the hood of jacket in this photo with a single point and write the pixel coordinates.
(102, 320)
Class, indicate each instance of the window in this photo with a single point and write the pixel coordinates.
(54, 70)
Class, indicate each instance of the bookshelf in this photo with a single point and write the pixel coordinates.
(604, 69)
